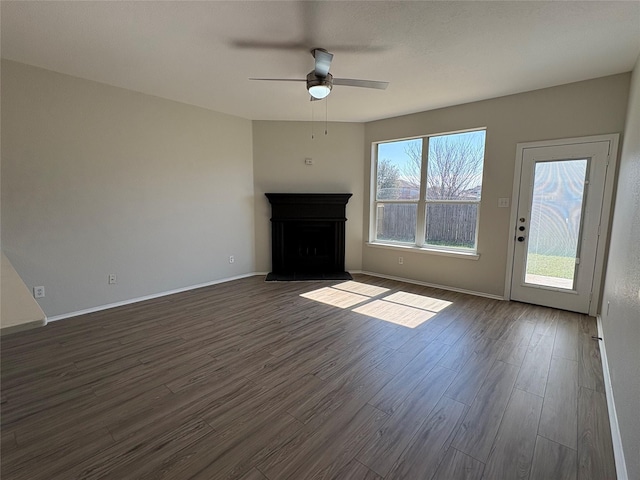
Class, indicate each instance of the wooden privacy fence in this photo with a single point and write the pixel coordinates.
(452, 224)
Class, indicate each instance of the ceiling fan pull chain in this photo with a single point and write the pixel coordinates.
(312, 137)
(326, 108)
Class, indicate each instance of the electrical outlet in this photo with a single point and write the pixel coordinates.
(112, 279)
(400, 261)
(232, 259)
(38, 292)
(503, 202)
(308, 161)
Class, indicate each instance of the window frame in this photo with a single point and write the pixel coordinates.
(422, 202)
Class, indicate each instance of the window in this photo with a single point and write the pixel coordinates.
(427, 191)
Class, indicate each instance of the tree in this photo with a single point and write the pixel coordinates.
(454, 165)
(388, 178)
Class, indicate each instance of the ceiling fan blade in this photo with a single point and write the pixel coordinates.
(304, 45)
(323, 61)
(280, 79)
(264, 45)
(352, 82)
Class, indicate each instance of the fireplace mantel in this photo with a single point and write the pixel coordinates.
(308, 236)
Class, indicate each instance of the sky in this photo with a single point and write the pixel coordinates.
(395, 151)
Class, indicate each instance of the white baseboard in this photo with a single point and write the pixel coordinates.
(616, 439)
(99, 308)
(432, 285)
(148, 297)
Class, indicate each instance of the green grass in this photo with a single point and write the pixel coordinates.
(551, 266)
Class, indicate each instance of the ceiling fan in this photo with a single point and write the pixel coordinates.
(320, 81)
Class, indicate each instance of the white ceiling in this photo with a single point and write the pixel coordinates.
(435, 54)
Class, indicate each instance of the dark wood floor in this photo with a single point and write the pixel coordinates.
(255, 381)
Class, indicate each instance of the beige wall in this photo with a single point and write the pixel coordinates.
(621, 300)
(99, 180)
(280, 149)
(585, 108)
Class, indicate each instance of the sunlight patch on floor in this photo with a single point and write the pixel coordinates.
(334, 297)
(418, 301)
(401, 308)
(395, 313)
(361, 288)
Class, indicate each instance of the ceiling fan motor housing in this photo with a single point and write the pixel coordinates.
(314, 80)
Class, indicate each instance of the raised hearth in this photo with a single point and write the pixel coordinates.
(308, 236)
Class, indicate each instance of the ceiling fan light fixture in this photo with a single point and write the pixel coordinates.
(319, 87)
(319, 91)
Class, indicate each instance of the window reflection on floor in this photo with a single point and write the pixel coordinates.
(402, 308)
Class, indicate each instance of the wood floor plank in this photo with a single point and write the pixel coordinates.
(14, 412)
(590, 364)
(325, 452)
(153, 377)
(472, 375)
(516, 343)
(559, 420)
(51, 457)
(459, 354)
(185, 404)
(480, 426)
(353, 390)
(416, 344)
(331, 412)
(95, 415)
(501, 317)
(391, 395)
(512, 451)
(8, 442)
(567, 341)
(457, 329)
(229, 455)
(249, 380)
(283, 396)
(552, 460)
(458, 466)
(381, 451)
(588, 325)
(397, 360)
(354, 470)
(534, 371)
(595, 448)
(400, 337)
(145, 449)
(418, 461)
(222, 449)
(254, 474)
(276, 370)
(73, 380)
(546, 321)
(33, 375)
(364, 357)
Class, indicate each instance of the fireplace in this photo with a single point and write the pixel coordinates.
(308, 236)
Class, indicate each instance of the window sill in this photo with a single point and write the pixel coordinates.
(430, 251)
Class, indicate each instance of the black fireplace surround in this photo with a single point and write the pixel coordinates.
(308, 236)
